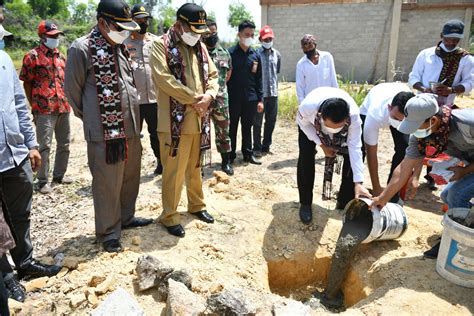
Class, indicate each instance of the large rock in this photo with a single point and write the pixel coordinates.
(182, 276)
(231, 302)
(182, 302)
(151, 272)
(118, 303)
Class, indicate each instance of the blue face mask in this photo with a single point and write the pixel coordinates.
(2, 44)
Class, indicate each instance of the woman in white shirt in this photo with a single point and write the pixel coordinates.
(329, 117)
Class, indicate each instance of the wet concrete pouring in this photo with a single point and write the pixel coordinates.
(356, 228)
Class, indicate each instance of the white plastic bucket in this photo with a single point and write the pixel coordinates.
(455, 260)
(391, 222)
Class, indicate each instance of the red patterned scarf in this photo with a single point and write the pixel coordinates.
(105, 65)
(332, 164)
(174, 59)
(435, 144)
(451, 62)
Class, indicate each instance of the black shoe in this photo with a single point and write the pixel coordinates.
(253, 160)
(37, 269)
(340, 205)
(15, 290)
(431, 183)
(306, 214)
(227, 168)
(257, 153)
(159, 169)
(112, 245)
(176, 230)
(138, 222)
(433, 252)
(204, 216)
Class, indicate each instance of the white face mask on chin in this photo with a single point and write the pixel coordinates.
(118, 37)
(423, 133)
(394, 123)
(51, 43)
(247, 42)
(328, 130)
(190, 38)
(267, 45)
(446, 49)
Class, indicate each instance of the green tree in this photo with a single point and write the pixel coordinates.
(47, 9)
(237, 14)
(83, 13)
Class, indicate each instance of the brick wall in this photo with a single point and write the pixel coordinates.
(357, 34)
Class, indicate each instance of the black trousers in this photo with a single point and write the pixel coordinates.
(305, 173)
(270, 112)
(17, 187)
(243, 111)
(3, 299)
(400, 144)
(148, 113)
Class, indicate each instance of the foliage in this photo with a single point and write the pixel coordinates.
(237, 14)
(83, 13)
(356, 91)
(287, 101)
(46, 9)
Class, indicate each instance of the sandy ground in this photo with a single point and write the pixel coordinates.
(257, 241)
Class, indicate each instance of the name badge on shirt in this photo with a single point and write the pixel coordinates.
(254, 67)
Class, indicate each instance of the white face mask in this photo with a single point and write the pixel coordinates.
(329, 130)
(394, 123)
(423, 133)
(247, 42)
(190, 38)
(267, 45)
(447, 50)
(51, 43)
(118, 37)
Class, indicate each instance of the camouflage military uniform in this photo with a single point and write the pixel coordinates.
(220, 106)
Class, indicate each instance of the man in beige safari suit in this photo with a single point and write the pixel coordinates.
(186, 81)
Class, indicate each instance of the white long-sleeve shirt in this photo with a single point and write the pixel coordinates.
(375, 108)
(428, 67)
(310, 76)
(308, 110)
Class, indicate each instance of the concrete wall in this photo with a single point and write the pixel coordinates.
(421, 29)
(357, 34)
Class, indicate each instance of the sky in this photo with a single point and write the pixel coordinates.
(221, 9)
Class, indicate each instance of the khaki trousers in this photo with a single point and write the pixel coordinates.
(175, 171)
(114, 188)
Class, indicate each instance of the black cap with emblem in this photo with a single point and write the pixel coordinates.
(119, 12)
(194, 15)
(139, 11)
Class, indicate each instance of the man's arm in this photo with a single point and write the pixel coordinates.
(75, 76)
(27, 74)
(164, 79)
(371, 135)
(400, 176)
(300, 83)
(258, 79)
(416, 74)
(333, 79)
(278, 63)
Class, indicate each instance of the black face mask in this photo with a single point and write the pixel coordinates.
(143, 27)
(310, 53)
(211, 40)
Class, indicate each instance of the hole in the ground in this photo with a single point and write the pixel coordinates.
(303, 274)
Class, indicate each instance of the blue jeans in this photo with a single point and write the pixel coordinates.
(459, 193)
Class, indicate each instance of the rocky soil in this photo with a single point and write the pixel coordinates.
(257, 246)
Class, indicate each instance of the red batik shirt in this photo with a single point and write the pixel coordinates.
(44, 69)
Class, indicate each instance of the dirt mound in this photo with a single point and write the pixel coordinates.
(257, 242)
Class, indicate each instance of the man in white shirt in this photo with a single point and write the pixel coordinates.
(446, 68)
(384, 107)
(447, 65)
(314, 70)
(329, 117)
